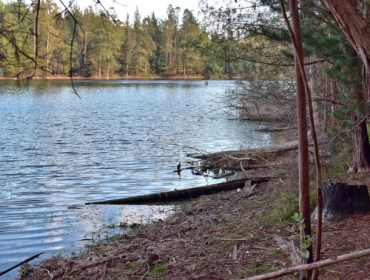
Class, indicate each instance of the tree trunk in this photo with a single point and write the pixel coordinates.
(326, 104)
(83, 60)
(361, 149)
(47, 55)
(314, 92)
(47, 44)
(99, 72)
(304, 183)
(341, 201)
(353, 24)
(170, 62)
(334, 97)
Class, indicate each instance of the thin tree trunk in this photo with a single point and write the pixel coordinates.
(314, 91)
(334, 97)
(34, 34)
(99, 72)
(109, 53)
(85, 45)
(170, 62)
(326, 97)
(47, 55)
(304, 184)
(84, 53)
(47, 43)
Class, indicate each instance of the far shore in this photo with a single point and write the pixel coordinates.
(154, 77)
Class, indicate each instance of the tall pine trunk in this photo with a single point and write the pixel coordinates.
(83, 59)
(360, 149)
(334, 97)
(314, 91)
(326, 104)
(99, 71)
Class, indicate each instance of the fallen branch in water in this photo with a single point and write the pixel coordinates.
(241, 154)
(311, 266)
(19, 264)
(185, 193)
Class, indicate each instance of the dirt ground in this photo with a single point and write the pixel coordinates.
(229, 235)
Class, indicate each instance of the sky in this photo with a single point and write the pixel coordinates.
(146, 7)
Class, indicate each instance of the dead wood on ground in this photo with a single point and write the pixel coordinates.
(184, 193)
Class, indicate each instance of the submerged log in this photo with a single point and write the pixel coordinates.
(184, 193)
(341, 201)
(273, 129)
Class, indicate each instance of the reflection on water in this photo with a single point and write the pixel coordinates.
(122, 138)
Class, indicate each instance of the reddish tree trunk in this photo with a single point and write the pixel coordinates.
(304, 184)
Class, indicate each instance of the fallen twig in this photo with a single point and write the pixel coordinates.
(25, 261)
(48, 272)
(145, 273)
(177, 232)
(311, 266)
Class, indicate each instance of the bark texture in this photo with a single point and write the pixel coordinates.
(361, 149)
(353, 24)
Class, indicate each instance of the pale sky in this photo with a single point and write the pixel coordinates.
(146, 7)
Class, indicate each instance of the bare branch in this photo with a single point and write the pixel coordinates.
(311, 266)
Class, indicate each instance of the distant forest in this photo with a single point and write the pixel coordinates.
(102, 46)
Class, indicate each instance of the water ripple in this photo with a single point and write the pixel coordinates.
(123, 138)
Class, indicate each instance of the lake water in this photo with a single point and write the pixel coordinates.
(122, 138)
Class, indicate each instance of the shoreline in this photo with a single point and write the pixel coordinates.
(154, 77)
(228, 235)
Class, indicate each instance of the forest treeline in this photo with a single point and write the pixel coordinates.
(94, 43)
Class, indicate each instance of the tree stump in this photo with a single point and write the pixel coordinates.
(341, 201)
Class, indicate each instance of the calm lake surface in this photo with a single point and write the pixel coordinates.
(122, 138)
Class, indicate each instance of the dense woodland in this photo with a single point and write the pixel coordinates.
(95, 43)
